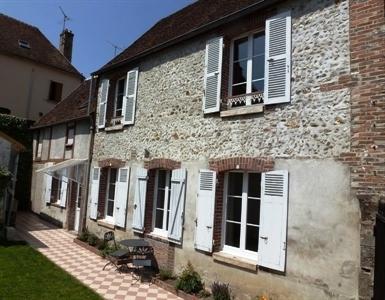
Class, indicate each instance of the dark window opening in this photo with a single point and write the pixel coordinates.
(55, 91)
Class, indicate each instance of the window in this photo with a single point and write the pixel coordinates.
(248, 65)
(241, 219)
(55, 91)
(24, 44)
(162, 201)
(119, 94)
(70, 134)
(112, 172)
(55, 190)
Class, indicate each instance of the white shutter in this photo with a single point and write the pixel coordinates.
(103, 96)
(139, 200)
(213, 74)
(273, 226)
(278, 59)
(94, 193)
(129, 100)
(47, 189)
(121, 190)
(63, 191)
(177, 199)
(205, 210)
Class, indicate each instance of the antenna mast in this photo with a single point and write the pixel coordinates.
(65, 18)
(116, 47)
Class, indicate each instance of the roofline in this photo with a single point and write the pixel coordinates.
(59, 123)
(77, 73)
(232, 16)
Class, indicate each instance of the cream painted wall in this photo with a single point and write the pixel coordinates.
(24, 86)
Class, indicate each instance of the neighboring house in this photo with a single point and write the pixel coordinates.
(60, 160)
(247, 137)
(34, 75)
(9, 159)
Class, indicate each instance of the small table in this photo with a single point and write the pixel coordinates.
(135, 243)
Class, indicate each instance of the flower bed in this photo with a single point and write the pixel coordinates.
(88, 247)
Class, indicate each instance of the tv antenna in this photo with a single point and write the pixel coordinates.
(65, 18)
(116, 47)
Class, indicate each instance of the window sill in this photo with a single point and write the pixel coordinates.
(117, 127)
(106, 224)
(244, 110)
(237, 261)
(157, 237)
(69, 145)
(56, 205)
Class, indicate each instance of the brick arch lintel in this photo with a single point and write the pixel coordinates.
(111, 162)
(162, 163)
(257, 164)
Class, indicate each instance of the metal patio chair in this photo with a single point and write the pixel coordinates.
(143, 262)
(119, 257)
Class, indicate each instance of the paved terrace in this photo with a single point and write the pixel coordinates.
(58, 246)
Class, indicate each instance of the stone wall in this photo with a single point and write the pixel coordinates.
(169, 118)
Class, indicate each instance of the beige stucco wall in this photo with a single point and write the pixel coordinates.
(25, 86)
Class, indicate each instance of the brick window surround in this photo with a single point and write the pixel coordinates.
(162, 163)
(112, 163)
(221, 166)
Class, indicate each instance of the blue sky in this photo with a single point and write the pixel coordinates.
(95, 23)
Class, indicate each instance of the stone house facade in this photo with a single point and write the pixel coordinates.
(240, 142)
(61, 148)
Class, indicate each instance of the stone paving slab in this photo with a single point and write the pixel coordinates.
(58, 246)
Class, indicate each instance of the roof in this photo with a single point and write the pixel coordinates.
(73, 107)
(186, 21)
(41, 50)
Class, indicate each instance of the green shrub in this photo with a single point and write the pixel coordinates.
(165, 274)
(92, 239)
(189, 281)
(84, 235)
(221, 291)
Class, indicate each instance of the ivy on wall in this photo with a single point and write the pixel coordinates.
(19, 129)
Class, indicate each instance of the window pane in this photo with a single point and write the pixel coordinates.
(239, 89)
(121, 86)
(258, 44)
(258, 67)
(253, 211)
(159, 219)
(252, 236)
(240, 49)
(111, 192)
(162, 179)
(234, 209)
(258, 86)
(235, 184)
(110, 208)
(119, 102)
(113, 175)
(160, 199)
(254, 185)
(233, 234)
(240, 72)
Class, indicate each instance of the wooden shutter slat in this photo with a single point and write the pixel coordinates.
(139, 200)
(177, 199)
(63, 191)
(129, 100)
(273, 224)
(205, 210)
(103, 95)
(121, 193)
(278, 59)
(213, 74)
(94, 193)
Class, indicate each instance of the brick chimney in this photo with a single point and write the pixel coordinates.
(66, 41)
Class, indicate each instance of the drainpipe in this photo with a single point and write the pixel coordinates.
(83, 209)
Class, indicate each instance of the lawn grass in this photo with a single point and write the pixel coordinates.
(27, 274)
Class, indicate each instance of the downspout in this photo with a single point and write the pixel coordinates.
(83, 210)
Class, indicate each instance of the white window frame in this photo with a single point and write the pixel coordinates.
(248, 34)
(110, 219)
(124, 78)
(163, 232)
(241, 251)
